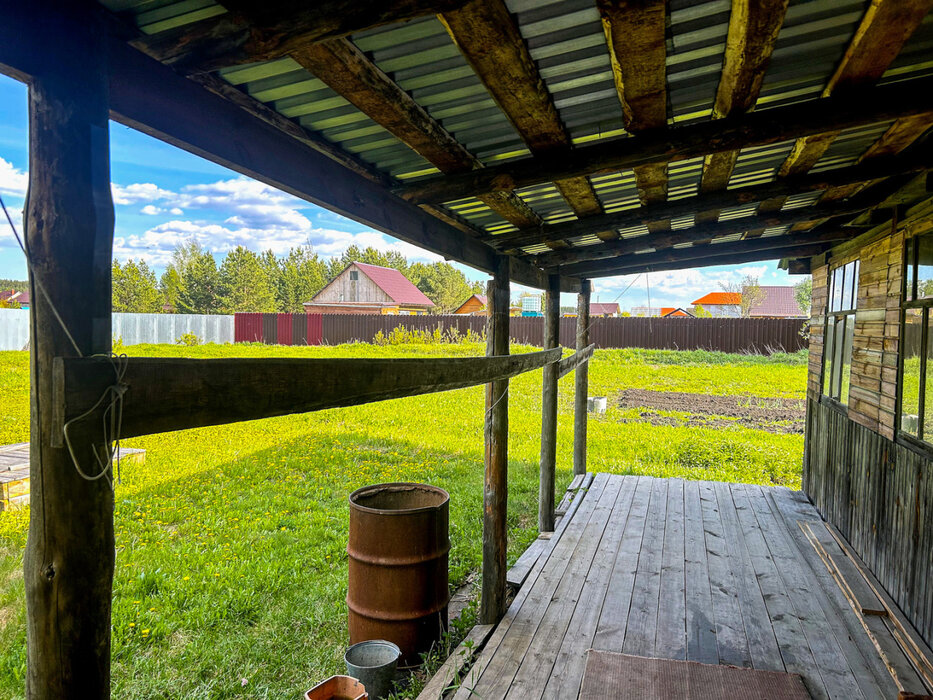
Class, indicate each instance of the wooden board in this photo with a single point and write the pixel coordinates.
(172, 394)
(678, 570)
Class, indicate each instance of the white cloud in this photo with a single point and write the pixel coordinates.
(13, 181)
(138, 192)
(151, 210)
(752, 271)
(176, 211)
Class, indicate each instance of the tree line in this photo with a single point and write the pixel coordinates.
(245, 281)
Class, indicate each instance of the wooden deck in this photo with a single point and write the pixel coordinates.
(14, 472)
(711, 572)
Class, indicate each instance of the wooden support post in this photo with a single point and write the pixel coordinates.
(582, 382)
(549, 409)
(496, 486)
(69, 556)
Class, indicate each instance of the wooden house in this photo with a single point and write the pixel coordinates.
(474, 306)
(537, 141)
(361, 288)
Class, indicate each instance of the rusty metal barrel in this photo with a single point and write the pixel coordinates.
(398, 549)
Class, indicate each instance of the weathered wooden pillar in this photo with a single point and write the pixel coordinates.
(496, 429)
(69, 556)
(549, 409)
(581, 381)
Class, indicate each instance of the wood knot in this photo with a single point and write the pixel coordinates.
(49, 572)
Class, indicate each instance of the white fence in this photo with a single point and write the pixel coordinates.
(14, 329)
(132, 329)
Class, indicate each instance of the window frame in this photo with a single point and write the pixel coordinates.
(832, 318)
(910, 268)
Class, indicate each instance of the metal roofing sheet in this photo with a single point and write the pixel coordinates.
(566, 40)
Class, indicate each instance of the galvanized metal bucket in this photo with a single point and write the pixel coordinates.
(373, 663)
(398, 546)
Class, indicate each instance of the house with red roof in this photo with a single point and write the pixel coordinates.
(10, 297)
(474, 306)
(598, 309)
(777, 302)
(720, 304)
(361, 288)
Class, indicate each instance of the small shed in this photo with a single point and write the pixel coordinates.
(474, 306)
(361, 288)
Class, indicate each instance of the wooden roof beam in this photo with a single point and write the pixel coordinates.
(353, 76)
(885, 28)
(753, 31)
(828, 180)
(253, 32)
(490, 41)
(800, 245)
(709, 230)
(759, 128)
(635, 37)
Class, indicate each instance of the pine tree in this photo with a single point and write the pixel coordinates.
(244, 283)
(134, 288)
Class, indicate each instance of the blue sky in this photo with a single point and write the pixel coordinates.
(164, 196)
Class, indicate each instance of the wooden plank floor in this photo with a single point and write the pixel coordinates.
(709, 572)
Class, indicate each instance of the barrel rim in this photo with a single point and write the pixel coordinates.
(407, 511)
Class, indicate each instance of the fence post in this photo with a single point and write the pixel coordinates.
(549, 409)
(496, 429)
(581, 385)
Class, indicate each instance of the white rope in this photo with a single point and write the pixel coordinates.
(113, 413)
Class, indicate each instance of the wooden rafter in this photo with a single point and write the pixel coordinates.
(706, 231)
(260, 31)
(759, 128)
(840, 178)
(492, 44)
(885, 28)
(800, 245)
(158, 398)
(353, 76)
(635, 37)
(753, 30)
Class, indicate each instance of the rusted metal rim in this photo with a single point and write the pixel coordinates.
(398, 561)
(402, 616)
(442, 497)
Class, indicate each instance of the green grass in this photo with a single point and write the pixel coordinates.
(231, 560)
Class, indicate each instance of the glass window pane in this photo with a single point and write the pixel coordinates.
(838, 347)
(924, 266)
(845, 369)
(910, 384)
(836, 298)
(909, 270)
(927, 432)
(856, 266)
(847, 286)
(827, 356)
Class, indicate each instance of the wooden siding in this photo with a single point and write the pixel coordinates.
(879, 495)
(342, 289)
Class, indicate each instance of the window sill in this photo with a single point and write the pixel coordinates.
(908, 441)
(834, 404)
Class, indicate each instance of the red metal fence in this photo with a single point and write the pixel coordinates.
(277, 329)
(750, 335)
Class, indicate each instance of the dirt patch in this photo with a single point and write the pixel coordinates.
(702, 410)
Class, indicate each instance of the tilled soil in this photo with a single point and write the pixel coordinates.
(759, 413)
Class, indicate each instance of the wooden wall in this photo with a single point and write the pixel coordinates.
(342, 288)
(872, 485)
(880, 496)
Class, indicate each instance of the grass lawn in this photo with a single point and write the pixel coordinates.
(231, 562)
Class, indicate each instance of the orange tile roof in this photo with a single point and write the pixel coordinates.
(714, 298)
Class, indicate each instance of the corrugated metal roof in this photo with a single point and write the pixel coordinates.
(566, 40)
